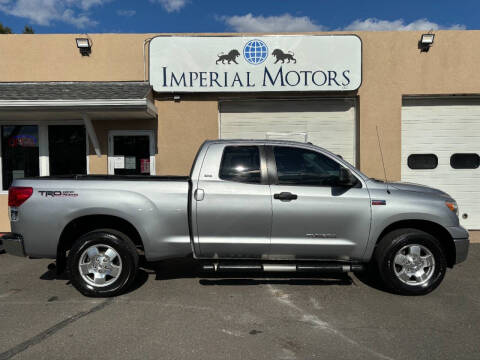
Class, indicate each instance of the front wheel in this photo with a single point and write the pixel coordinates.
(103, 263)
(410, 261)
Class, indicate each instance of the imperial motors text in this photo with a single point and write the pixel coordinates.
(277, 78)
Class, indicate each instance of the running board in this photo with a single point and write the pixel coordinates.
(301, 267)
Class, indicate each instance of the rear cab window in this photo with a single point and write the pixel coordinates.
(241, 164)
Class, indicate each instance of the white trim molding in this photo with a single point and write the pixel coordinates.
(92, 135)
(74, 103)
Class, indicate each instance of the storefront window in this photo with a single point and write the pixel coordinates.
(67, 149)
(19, 153)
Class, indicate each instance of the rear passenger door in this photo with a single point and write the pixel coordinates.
(233, 204)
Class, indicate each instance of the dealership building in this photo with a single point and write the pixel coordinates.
(143, 103)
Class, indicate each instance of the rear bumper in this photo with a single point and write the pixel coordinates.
(13, 244)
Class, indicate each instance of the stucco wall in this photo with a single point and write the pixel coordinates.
(392, 66)
(114, 57)
(4, 222)
(182, 127)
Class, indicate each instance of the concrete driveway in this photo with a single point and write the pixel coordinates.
(177, 312)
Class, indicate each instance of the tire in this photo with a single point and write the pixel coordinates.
(410, 261)
(105, 252)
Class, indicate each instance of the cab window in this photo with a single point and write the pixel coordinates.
(241, 164)
(297, 166)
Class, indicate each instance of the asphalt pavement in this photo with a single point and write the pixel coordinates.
(178, 312)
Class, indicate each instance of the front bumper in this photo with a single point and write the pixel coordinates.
(13, 244)
(461, 240)
(461, 249)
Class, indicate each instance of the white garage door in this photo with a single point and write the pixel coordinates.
(329, 123)
(447, 130)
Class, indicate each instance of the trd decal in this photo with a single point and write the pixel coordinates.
(58, 193)
(379, 202)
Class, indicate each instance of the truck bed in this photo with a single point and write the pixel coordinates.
(111, 177)
(156, 206)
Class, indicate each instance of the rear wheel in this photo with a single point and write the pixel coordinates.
(103, 263)
(410, 261)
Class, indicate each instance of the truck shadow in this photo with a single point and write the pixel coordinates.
(188, 268)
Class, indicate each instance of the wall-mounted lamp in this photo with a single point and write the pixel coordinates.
(83, 44)
(426, 42)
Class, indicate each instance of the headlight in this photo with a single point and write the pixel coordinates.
(452, 205)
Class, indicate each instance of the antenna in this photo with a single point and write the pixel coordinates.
(383, 163)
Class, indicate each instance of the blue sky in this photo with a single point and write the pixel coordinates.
(100, 16)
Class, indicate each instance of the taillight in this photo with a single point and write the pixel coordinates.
(17, 195)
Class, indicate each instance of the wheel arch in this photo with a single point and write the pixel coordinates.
(430, 227)
(87, 223)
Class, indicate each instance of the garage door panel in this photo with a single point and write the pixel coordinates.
(328, 123)
(442, 127)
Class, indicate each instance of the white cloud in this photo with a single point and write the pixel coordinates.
(373, 24)
(281, 23)
(172, 5)
(44, 12)
(289, 23)
(126, 13)
(87, 4)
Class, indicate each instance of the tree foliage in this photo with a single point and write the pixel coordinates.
(28, 30)
(5, 29)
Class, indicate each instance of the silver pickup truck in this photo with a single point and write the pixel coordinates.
(247, 206)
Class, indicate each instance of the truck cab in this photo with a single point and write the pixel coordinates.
(277, 201)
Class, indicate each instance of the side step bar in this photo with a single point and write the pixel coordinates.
(301, 267)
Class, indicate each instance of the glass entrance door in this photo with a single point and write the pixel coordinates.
(131, 153)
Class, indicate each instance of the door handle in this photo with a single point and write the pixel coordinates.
(285, 196)
(199, 194)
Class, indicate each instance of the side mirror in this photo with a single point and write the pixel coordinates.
(346, 178)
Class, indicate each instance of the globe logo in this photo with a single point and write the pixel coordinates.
(255, 51)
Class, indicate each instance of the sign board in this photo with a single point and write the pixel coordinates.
(255, 63)
(118, 162)
(130, 162)
(145, 166)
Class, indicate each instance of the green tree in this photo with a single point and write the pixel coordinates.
(5, 29)
(28, 30)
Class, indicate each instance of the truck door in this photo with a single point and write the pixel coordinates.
(313, 217)
(233, 205)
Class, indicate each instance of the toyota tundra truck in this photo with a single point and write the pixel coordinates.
(247, 206)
